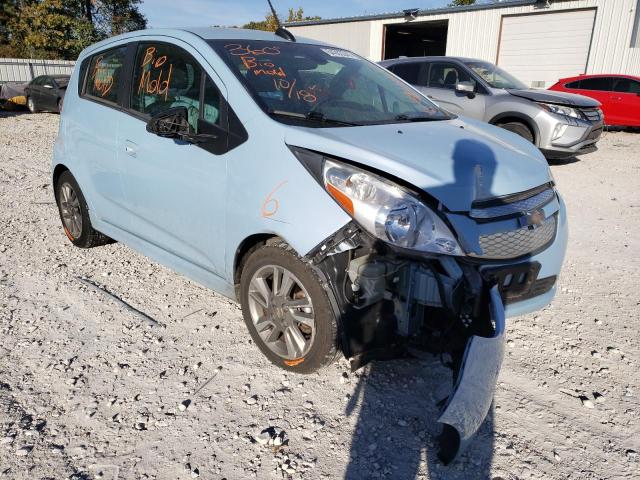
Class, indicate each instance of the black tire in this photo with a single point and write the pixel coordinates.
(324, 346)
(519, 128)
(31, 105)
(87, 236)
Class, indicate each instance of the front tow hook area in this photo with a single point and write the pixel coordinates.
(472, 394)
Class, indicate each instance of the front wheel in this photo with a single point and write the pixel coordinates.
(518, 128)
(31, 105)
(287, 310)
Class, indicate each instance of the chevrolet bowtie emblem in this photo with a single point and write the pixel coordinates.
(533, 219)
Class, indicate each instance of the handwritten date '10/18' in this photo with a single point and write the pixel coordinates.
(289, 87)
(153, 72)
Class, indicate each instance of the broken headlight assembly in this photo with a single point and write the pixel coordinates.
(385, 209)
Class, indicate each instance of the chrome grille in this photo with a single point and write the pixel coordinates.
(519, 207)
(516, 243)
(592, 114)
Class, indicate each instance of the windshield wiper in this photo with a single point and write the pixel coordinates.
(320, 117)
(418, 118)
(313, 116)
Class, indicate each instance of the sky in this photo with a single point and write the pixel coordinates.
(175, 13)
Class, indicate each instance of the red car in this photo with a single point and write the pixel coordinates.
(619, 95)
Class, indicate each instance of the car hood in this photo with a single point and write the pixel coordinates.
(560, 98)
(455, 161)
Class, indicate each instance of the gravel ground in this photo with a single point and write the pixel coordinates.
(89, 390)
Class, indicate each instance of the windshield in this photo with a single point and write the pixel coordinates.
(321, 86)
(495, 76)
(62, 81)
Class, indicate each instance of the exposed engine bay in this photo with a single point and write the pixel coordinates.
(394, 303)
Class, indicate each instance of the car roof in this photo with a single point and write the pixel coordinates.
(598, 75)
(204, 33)
(431, 58)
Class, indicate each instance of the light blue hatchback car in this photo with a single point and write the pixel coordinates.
(342, 209)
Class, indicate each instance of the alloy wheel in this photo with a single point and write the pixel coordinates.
(70, 210)
(282, 312)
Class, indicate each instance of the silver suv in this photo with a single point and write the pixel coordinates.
(560, 124)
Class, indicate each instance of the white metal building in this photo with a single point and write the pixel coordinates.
(539, 41)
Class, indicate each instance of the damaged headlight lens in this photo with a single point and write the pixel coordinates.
(561, 110)
(387, 210)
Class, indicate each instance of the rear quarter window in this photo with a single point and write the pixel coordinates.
(106, 72)
(602, 84)
(574, 85)
(409, 72)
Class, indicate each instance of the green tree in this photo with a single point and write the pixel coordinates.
(459, 3)
(46, 28)
(8, 10)
(269, 23)
(62, 28)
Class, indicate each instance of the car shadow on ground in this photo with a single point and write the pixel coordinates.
(562, 161)
(14, 112)
(396, 433)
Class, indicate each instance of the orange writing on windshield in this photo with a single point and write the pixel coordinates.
(156, 75)
(252, 61)
(263, 68)
(242, 50)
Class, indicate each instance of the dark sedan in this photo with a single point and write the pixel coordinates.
(46, 92)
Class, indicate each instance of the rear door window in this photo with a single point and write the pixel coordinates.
(166, 76)
(603, 84)
(106, 74)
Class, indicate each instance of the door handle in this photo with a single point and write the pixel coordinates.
(130, 148)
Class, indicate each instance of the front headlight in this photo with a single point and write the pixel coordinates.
(383, 208)
(561, 110)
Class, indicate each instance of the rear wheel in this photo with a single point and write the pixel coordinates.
(287, 311)
(60, 100)
(31, 105)
(519, 128)
(74, 214)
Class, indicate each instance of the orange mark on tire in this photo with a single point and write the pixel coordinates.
(68, 234)
(271, 205)
(293, 363)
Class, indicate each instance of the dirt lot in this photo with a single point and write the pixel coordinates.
(88, 390)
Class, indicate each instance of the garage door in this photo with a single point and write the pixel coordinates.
(541, 48)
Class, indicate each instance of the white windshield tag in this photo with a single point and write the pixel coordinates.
(335, 52)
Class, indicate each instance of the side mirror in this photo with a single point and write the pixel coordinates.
(466, 88)
(172, 123)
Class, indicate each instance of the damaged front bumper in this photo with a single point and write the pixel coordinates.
(472, 394)
(391, 302)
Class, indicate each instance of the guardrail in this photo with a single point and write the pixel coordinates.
(26, 69)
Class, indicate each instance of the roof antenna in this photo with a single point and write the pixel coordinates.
(281, 31)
